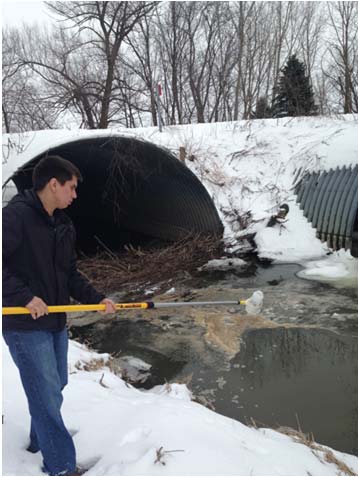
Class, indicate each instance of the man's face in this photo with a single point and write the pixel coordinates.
(66, 193)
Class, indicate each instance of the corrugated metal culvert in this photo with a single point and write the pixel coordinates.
(329, 200)
(132, 189)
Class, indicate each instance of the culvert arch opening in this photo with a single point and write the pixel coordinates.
(133, 192)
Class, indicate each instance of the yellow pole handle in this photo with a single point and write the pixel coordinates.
(19, 310)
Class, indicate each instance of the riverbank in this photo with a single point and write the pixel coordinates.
(119, 430)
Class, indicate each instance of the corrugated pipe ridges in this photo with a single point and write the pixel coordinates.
(329, 200)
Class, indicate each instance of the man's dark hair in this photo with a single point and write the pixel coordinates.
(53, 167)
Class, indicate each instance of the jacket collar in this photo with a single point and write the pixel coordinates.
(30, 198)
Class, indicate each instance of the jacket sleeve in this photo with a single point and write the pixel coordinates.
(80, 288)
(15, 290)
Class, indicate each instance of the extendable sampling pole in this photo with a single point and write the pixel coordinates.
(252, 305)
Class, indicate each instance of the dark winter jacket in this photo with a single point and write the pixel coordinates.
(39, 260)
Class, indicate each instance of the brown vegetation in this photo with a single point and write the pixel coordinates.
(322, 453)
(109, 271)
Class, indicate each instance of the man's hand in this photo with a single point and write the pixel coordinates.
(110, 306)
(37, 307)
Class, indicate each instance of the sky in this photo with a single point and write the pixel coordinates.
(15, 13)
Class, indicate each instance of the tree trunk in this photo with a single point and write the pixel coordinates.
(6, 120)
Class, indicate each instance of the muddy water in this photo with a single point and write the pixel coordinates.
(294, 365)
(301, 378)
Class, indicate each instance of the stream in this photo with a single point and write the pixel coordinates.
(295, 365)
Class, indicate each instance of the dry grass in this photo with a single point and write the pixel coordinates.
(94, 365)
(323, 454)
(204, 402)
(328, 456)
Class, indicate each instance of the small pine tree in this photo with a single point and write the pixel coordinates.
(294, 95)
(263, 109)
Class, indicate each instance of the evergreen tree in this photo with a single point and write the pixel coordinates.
(294, 95)
(263, 109)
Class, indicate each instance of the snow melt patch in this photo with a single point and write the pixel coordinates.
(339, 269)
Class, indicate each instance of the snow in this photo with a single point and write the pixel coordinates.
(339, 269)
(170, 291)
(294, 241)
(249, 168)
(137, 363)
(224, 264)
(120, 430)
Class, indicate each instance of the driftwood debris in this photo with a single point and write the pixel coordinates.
(109, 270)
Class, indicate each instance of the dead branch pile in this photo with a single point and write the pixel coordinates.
(109, 271)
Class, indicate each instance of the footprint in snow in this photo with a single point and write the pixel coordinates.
(135, 435)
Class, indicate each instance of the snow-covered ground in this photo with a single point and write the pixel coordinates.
(119, 430)
(249, 169)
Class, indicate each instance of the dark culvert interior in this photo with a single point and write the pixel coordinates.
(133, 192)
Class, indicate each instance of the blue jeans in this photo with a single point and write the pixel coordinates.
(41, 357)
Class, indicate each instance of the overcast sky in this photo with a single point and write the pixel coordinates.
(14, 12)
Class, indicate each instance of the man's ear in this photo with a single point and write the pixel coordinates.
(53, 183)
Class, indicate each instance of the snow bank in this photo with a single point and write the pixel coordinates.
(119, 430)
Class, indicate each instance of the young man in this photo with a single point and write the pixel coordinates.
(39, 269)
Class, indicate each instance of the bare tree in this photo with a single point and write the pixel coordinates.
(310, 39)
(280, 27)
(343, 50)
(241, 13)
(201, 25)
(171, 43)
(145, 61)
(25, 105)
(105, 26)
(258, 52)
(222, 84)
(58, 61)
(10, 77)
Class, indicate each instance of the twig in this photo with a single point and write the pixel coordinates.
(102, 383)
